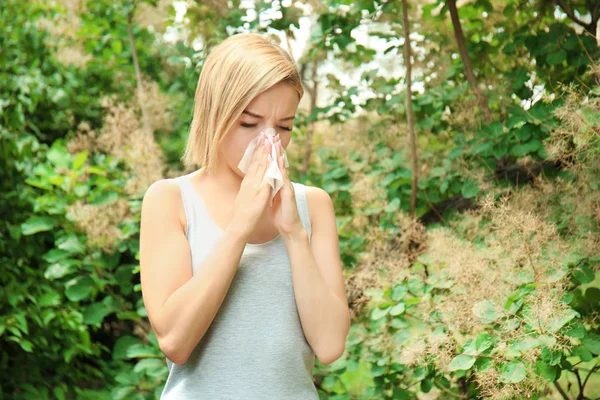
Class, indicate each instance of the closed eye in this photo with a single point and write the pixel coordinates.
(285, 128)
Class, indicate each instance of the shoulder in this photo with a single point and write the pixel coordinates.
(319, 203)
(164, 197)
(162, 190)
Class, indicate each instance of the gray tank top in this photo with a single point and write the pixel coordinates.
(255, 348)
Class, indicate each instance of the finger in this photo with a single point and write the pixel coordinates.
(253, 167)
(263, 159)
(278, 147)
(282, 167)
(268, 156)
(279, 153)
(258, 144)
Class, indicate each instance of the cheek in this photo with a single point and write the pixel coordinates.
(286, 138)
(235, 145)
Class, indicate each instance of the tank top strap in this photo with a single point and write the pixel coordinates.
(187, 196)
(302, 204)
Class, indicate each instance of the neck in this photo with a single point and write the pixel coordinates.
(227, 179)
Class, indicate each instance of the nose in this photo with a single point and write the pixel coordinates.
(270, 131)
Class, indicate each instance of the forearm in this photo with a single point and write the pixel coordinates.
(324, 316)
(188, 312)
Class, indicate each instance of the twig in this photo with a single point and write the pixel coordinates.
(138, 71)
(567, 10)
(596, 368)
(560, 390)
(576, 372)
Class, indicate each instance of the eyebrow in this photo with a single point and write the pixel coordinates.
(260, 116)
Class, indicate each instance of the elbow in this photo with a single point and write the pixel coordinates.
(329, 357)
(172, 350)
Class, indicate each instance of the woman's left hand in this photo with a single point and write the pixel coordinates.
(284, 211)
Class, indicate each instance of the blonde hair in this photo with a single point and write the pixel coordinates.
(236, 71)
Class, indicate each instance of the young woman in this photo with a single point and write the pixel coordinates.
(241, 294)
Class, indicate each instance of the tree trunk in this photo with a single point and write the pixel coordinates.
(464, 55)
(138, 72)
(409, 109)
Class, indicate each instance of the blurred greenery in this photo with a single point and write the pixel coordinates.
(492, 289)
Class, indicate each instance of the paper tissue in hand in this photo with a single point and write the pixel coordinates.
(273, 172)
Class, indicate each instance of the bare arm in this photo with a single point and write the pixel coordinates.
(181, 306)
(318, 280)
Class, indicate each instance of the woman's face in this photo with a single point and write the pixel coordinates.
(274, 108)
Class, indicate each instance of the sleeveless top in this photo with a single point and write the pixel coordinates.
(255, 348)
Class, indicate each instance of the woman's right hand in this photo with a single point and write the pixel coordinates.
(255, 190)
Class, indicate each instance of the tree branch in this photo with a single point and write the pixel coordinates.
(138, 72)
(596, 368)
(409, 108)
(570, 13)
(594, 12)
(464, 55)
(576, 372)
(561, 391)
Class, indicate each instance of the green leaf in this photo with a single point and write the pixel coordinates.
(487, 311)
(393, 206)
(469, 189)
(26, 345)
(59, 392)
(399, 292)
(416, 285)
(79, 288)
(95, 313)
(548, 372)
(552, 357)
(379, 313)
(556, 57)
(55, 255)
(58, 270)
(479, 345)
(592, 343)
(122, 392)
(58, 154)
(426, 385)
(142, 351)
(397, 309)
(494, 129)
(583, 273)
(557, 322)
(37, 224)
(51, 298)
(526, 148)
(103, 198)
(583, 353)
(72, 245)
(526, 343)
(80, 159)
(122, 345)
(576, 330)
(151, 366)
(513, 372)
(461, 362)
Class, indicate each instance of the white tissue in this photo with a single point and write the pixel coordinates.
(273, 173)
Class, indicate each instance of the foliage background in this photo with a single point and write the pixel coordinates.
(489, 290)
